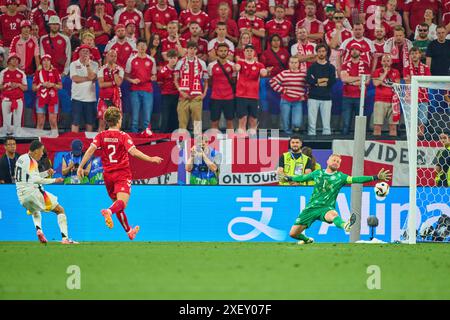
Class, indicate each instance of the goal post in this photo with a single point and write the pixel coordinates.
(434, 90)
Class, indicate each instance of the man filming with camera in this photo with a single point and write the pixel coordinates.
(203, 163)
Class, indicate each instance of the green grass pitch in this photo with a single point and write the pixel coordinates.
(174, 270)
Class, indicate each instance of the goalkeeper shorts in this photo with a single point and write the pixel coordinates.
(309, 215)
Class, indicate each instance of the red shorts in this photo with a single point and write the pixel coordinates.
(117, 181)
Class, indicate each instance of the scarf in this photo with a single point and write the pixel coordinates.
(47, 96)
(395, 54)
(190, 80)
(423, 93)
(301, 51)
(74, 17)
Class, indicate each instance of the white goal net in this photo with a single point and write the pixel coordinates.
(426, 109)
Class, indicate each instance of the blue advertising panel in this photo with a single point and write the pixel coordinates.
(198, 213)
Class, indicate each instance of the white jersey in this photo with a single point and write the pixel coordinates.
(28, 178)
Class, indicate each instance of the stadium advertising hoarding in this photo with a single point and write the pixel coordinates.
(196, 213)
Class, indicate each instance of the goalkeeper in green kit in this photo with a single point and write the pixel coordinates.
(322, 205)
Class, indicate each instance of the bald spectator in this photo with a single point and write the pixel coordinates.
(304, 49)
(83, 73)
(27, 48)
(57, 46)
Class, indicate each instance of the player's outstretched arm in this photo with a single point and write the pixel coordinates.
(383, 175)
(142, 156)
(89, 152)
(298, 178)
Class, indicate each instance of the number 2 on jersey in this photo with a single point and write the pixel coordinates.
(113, 147)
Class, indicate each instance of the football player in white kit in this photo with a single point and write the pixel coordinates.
(32, 195)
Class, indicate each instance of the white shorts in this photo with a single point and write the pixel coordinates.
(39, 201)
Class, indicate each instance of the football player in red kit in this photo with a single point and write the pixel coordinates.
(115, 146)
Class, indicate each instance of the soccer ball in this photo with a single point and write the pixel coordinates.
(381, 189)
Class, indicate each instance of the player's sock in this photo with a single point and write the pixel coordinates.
(123, 220)
(338, 222)
(37, 220)
(62, 223)
(117, 206)
(301, 236)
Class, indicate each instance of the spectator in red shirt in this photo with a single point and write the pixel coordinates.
(232, 28)
(275, 58)
(130, 30)
(414, 10)
(157, 18)
(131, 13)
(392, 17)
(398, 46)
(140, 72)
(335, 37)
(244, 39)
(247, 90)
(46, 83)
(88, 39)
(311, 24)
(110, 77)
(303, 49)
(40, 15)
(172, 41)
(169, 93)
(22, 5)
(261, 9)
(202, 45)
(383, 78)
(281, 26)
(194, 13)
(27, 48)
(154, 50)
(251, 23)
(351, 72)
(221, 31)
(378, 43)
(376, 20)
(10, 23)
(222, 80)
(190, 71)
(57, 46)
(212, 8)
(13, 82)
(100, 24)
(287, 4)
(123, 46)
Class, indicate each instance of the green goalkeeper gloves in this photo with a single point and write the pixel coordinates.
(283, 178)
(384, 175)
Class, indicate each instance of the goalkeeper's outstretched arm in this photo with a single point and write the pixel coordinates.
(383, 175)
(299, 178)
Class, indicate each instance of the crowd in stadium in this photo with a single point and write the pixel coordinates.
(117, 53)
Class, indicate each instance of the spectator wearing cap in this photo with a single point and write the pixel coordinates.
(21, 5)
(88, 39)
(46, 83)
(195, 36)
(129, 12)
(329, 23)
(351, 72)
(122, 45)
(130, 30)
(41, 15)
(110, 78)
(190, 72)
(13, 82)
(224, 13)
(157, 18)
(366, 45)
(83, 73)
(57, 45)
(313, 26)
(280, 25)
(100, 24)
(27, 48)
(70, 163)
(247, 90)
(253, 24)
(194, 13)
(10, 23)
(140, 72)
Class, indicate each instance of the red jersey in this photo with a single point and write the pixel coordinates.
(248, 79)
(26, 50)
(58, 48)
(261, 5)
(202, 45)
(312, 26)
(232, 27)
(114, 146)
(95, 24)
(382, 93)
(367, 49)
(166, 82)
(421, 70)
(155, 15)
(40, 17)
(47, 96)
(340, 5)
(9, 76)
(345, 34)
(368, 6)
(282, 28)
(142, 69)
(124, 51)
(202, 18)
(379, 51)
(122, 15)
(167, 44)
(212, 7)
(221, 88)
(108, 76)
(10, 27)
(269, 60)
(94, 55)
(416, 8)
(371, 24)
(256, 23)
(354, 70)
(303, 49)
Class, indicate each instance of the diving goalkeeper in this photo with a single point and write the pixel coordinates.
(322, 205)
